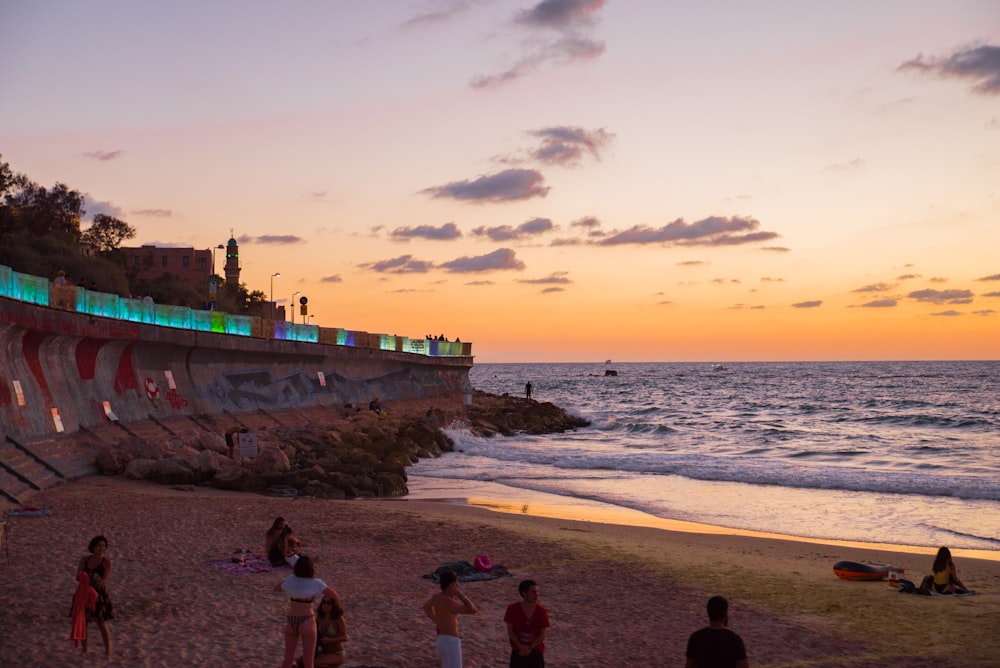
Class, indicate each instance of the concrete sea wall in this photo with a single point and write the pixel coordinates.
(67, 376)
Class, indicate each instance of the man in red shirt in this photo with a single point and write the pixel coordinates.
(527, 623)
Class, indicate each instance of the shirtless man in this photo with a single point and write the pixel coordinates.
(443, 609)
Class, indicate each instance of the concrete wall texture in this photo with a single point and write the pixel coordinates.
(68, 366)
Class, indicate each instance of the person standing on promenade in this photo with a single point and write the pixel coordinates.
(527, 390)
(527, 623)
(98, 568)
(715, 646)
(443, 608)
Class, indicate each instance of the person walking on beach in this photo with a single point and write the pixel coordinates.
(527, 390)
(302, 588)
(443, 608)
(715, 646)
(97, 567)
(527, 623)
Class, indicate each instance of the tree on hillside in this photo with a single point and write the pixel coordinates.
(40, 211)
(106, 234)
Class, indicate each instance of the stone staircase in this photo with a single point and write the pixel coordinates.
(28, 467)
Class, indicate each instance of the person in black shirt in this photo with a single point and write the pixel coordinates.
(715, 646)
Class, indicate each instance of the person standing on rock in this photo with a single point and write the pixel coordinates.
(527, 390)
(443, 608)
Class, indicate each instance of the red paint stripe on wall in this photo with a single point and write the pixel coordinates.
(86, 357)
(125, 375)
(31, 343)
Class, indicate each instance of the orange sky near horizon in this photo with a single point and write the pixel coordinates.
(552, 180)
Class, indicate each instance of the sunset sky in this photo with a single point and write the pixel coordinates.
(564, 180)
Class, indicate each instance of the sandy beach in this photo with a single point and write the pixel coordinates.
(617, 595)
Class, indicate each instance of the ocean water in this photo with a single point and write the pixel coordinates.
(901, 453)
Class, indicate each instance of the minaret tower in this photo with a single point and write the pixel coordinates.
(232, 262)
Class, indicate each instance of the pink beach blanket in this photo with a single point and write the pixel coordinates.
(254, 563)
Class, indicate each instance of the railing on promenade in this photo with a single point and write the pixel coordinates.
(38, 290)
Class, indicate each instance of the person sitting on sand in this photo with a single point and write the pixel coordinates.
(279, 547)
(273, 533)
(945, 575)
(331, 632)
(302, 587)
(443, 608)
(292, 547)
(715, 646)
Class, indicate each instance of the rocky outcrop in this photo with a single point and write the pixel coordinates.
(490, 414)
(359, 453)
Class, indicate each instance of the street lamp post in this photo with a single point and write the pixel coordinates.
(219, 247)
(292, 314)
(273, 276)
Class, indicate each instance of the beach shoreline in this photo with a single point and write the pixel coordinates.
(503, 499)
(618, 594)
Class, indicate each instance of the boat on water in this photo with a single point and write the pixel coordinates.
(719, 367)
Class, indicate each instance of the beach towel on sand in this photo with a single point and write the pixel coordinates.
(253, 563)
(466, 572)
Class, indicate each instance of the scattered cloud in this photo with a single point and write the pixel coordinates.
(277, 239)
(404, 264)
(725, 281)
(93, 207)
(994, 277)
(506, 186)
(477, 283)
(445, 232)
(809, 304)
(711, 231)
(988, 311)
(436, 16)
(548, 290)
(768, 279)
(335, 278)
(692, 263)
(776, 249)
(587, 222)
(530, 228)
(942, 296)
(979, 63)
(153, 213)
(947, 314)
(937, 279)
(850, 165)
(566, 242)
(500, 259)
(571, 20)
(907, 277)
(992, 294)
(880, 303)
(104, 156)
(875, 287)
(555, 278)
(566, 146)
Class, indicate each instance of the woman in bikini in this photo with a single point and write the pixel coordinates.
(98, 568)
(332, 632)
(945, 575)
(302, 588)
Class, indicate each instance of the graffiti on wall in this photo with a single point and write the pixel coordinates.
(245, 389)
